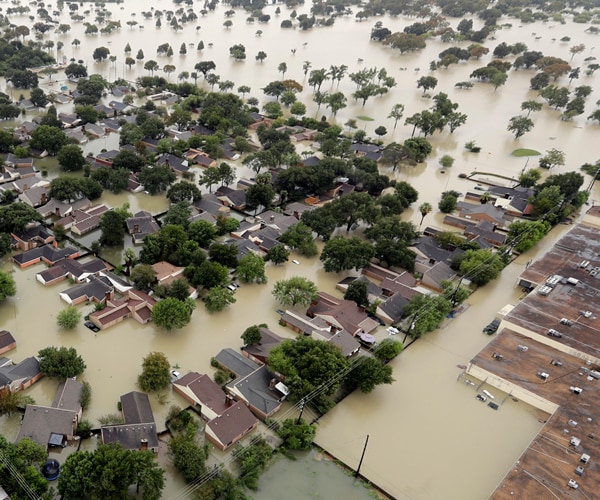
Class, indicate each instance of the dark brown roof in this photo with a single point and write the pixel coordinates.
(136, 408)
(6, 339)
(231, 424)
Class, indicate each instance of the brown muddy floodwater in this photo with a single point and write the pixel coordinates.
(429, 437)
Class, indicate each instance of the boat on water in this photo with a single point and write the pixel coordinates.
(488, 394)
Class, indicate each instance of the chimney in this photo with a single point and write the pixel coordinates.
(43, 199)
(107, 296)
(143, 444)
(272, 383)
(228, 400)
(136, 228)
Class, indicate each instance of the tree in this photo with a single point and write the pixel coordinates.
(38, 97)
(424, 209)
(425, 313)
(300, 237)
(208, 274)
(261, 56)
(519, 125)
(188, 457)
(308, 364)
(481, 266)
(427, 82)
(48, 138)
(341, 253)
(15, 217)
(23, 459)
(278, 254)
(297, 434)
(295, 291)
(446, 161)
(368, 373)
(68, 318)
(223, 254)
(261, 193)
(112, 226)
(172, 314)
(252, 335)
(183, 192)
(8, 288)
(60, 362)
(530, 106)
(529, 178)
(553, 158)
(84, 473)
(100, 54)
(387, 350)
(523, 235)
(218, 298)
(151, 66)
(251, 269)
(396, 113)
(405, 42)
(358, 292)
(202, 232)
(418, 148)
(143, 276)
(156, 179)
(448, 203)
(70, 158)
(155, 372)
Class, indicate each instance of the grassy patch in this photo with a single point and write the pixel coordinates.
(365, 118)
(525, 152)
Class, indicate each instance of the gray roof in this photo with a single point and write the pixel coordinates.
(68, 395)
(236, 363)
(136, 408)
(130, 436)
(96, 288)
(255, 389)
(39, 422)
(25, 370)
(394, 307)
(430, 248)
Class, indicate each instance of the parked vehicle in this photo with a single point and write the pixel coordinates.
(492, 327)
(91, 326)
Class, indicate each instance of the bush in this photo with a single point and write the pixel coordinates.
(68, 318)
(86, 396)
(84, 429)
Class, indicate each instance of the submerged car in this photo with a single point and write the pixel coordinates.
(492, 327)
(91, 326)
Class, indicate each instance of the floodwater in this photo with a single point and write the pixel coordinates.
(429, 437)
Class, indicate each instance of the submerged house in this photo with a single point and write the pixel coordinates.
(139, 430)
(228, 420)
(55, 425)
(134, 304)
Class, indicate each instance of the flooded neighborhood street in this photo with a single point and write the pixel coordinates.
(429, 438)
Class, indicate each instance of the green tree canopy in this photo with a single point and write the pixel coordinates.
(172, 314)
(308, 364)
(155, 372)
(297, 435)
(68, 318)
(84, 473)
(218, 298)
(368, 373)
(8, 287)
(60, 362)
(341, 253)
(251, 269)
(481, 266)
(295, 291)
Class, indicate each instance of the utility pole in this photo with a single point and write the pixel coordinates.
(302, 403)
(362, 456)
